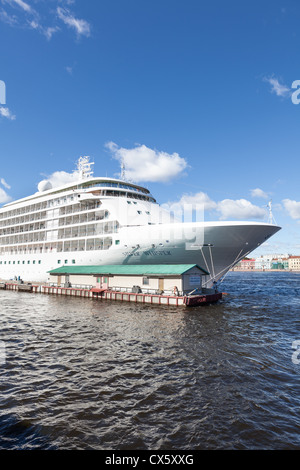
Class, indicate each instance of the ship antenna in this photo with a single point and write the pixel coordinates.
(123, 171)
(271, 219)
(84, 167)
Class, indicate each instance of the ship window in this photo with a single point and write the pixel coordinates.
(39, 261)
(28, 262)
(139, 212)
(73, 261)
(33, 261)
(145, 281)
(117, 242)
(23, 262)
(128, 202)
(58, 261)
(66, 261)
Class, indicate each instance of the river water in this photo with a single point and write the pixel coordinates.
(89, 374)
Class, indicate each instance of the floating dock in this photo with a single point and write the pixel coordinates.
(106, 294)
(178, 285)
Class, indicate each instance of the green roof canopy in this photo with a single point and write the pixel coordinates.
(139, 269)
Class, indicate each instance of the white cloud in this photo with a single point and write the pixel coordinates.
(9, 19)
(292, 207)
(259, 193)
(69, 70)
(239, 209)
(145, 164)
(19, 3)
(34, 18)
(82, 27)
(4, 197)
(21, 8)
(5, 112)
(191, 206)
(34, 24)
(4, 183)
(58, 178)
(67, 2)
(48, 32)
(22, 4)
(277, 88)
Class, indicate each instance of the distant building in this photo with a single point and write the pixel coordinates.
(280, 263)
(294, 263)
(272, 261)
(283, 262)
(263, 263)
(247, 264)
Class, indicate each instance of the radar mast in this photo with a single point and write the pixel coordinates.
(84, 167)
(271, 219)
(123, 171)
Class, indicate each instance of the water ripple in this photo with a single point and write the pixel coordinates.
(85, 374)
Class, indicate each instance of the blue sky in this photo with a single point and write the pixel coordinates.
(196, 97)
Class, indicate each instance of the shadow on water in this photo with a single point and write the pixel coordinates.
(22, 434)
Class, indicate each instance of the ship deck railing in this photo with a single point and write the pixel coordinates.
(144, 290)
(74, 286)
(127, 290)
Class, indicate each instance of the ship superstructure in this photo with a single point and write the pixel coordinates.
(111, 221)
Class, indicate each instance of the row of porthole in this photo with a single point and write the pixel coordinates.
(66, 261)
(34, 262)
(19, 262)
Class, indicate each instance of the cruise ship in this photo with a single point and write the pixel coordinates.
(105, 221)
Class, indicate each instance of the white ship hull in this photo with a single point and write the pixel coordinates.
(214, 246)
(101, 221)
